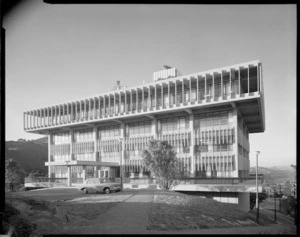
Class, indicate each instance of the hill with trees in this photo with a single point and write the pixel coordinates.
(30, 155)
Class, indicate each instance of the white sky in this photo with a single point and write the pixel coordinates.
(57, 53)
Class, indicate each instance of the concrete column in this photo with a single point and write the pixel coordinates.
(239, 76)
(230, 83)
(154, 128)
(192, 148)
(248, 78)
(222, 89)
(175, 92)
(114, 106)
(37, 118)
(84, 172)
(197, 90)
(235, 150)
(31, 119)
(27, 120)
(155, 96)
(120, 102)
(109, 105)
(257, 76)
(63, 114)
(122, 152)
(169, 96)
(49, 151)
(260, 77)
(137, 99)
(130, 92)
(149, 97)
(125, 105)
(104, 107)
(72, 145)
(190, 99)
(95, 138)
(69, 176)
(99, 171)
(243, 201)
(182, 101)
(205, 90)
(99, 107)
(143, 99)
(213, 86)
(59, 114)
(24, 121)
(44, 111)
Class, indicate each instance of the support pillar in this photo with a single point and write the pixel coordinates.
(95, 139)
(99, 171)
(122, 153)
(154, 128)
(69, 176)
(84, 172)
(49, 153)
(235, 150)
(192, 147)
(71, 145)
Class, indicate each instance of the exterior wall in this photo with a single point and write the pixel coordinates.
(243, 148)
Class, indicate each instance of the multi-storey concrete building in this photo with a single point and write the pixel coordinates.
(206, 116)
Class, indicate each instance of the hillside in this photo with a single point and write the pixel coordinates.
(277, 177)
(31, 155)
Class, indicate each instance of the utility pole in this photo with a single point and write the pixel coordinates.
(257, 204)
(280, 197)
(275, 205)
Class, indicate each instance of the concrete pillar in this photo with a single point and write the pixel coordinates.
(248, 78)
(235, 150)
(99, 171)
(84, 172)
(230, 83)
(122, 152)
(239, 77)
(95, 139)
(69, 176)
(49, 152)
(244, 201)
(154, 128)
(192, 147)
(175, 92)
(182, 100)
(205, 90)
(197, 90)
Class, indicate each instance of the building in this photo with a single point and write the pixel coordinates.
(207, 116)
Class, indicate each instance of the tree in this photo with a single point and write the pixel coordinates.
(160, 158)
(14, 174)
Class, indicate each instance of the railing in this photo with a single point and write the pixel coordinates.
(45, 179)
(228, 181)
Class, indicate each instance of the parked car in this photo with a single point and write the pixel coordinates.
(96, 185)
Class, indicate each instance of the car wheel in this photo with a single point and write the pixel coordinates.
(106, 190)
(84, 191)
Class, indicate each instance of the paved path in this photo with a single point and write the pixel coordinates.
(128, 217)
(131, 217)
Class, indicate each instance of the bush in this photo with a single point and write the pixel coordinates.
(261, 197)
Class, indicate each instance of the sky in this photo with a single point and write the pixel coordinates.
(57, 53)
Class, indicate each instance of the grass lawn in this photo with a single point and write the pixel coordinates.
(178, 211)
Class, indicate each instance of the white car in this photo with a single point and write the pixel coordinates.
(95, 185)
